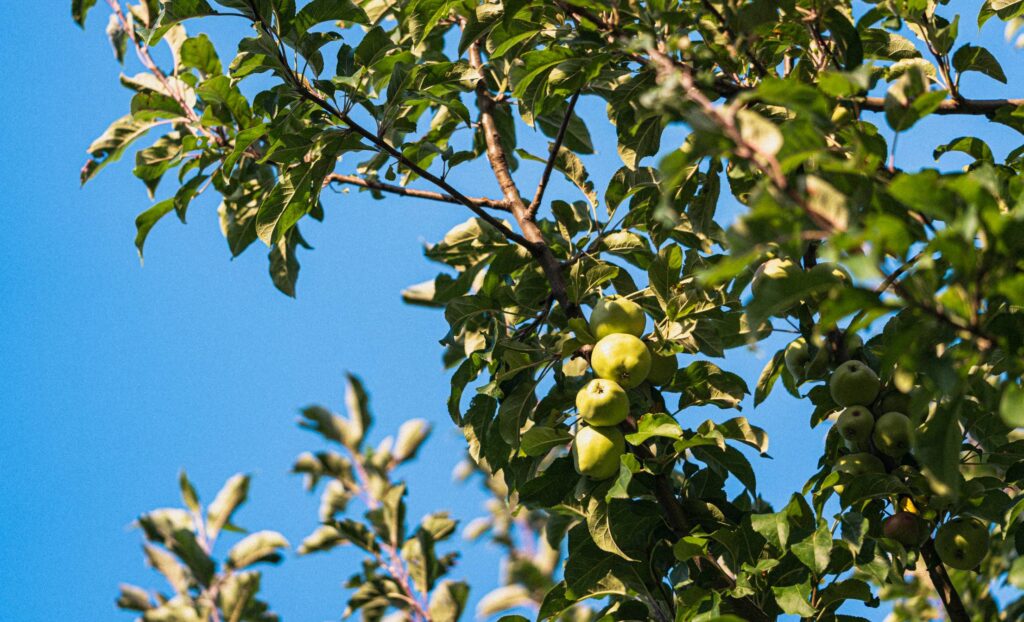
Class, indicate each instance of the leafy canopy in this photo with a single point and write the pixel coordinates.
(793, 108)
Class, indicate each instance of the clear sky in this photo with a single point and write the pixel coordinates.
(113, 377)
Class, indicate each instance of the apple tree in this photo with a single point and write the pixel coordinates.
(587, 323)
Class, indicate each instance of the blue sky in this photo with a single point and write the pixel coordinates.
(115, 376)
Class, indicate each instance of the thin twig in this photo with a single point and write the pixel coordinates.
(538, 197)
(373, 184)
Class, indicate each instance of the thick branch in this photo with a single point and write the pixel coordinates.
(538, 197)
(498, 160)
(943, 585)
(373, 184)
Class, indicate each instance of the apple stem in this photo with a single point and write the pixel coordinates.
(943, 584)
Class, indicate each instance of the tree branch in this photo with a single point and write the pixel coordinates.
(304, 91)
(725, 87)
(373, 184)
(943, 584)
(538, 197)
(526, 218)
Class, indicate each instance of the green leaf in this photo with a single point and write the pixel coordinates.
(188, 492)
(319, 11)
(175, 11)
(655, 425)
(793, 599)
(256, 548)
(294, 196)
(771, 372)
(1011, 406)
(908, 100)
(975, 58)
(936, 446)
(688, 547)
(772, 527)
(79, 10)
(232, 495)
(539, 440)
(816, 551)
(144, 222)
(113, 143)
(974, 147)
(570, 165)
(198, 53)
(448, 601)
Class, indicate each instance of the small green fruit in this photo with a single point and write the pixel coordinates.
(892, 434)
(854, 384)
(663, 368)
(861, 463)
(962, 543)
(622, 358)
(841, 115)
(854, 425)
(615, 314)
(602, 402)
(802, 365)
(906, 528)
(893, 401)
(832, 270)
(596, 451)
(770, 272)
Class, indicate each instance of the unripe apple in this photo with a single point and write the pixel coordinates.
(906, 528)
(861, 463)
(596, 451)
(802, 365)
(841, 115)
(774, 269)
(893, 401)
(833, 270)
(615, 314)
(892, 434)
(854, 384)
(663, 368)
(962, 543)
(854, 425)
(602, 402)
(622, 358)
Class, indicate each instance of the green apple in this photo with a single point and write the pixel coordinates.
(861, 463)
(962, 543)
(596, 451)
(893, 401)
(802, 364)
(773, 270)
(835, 271)
(906, 528)
(663, 368)
(854, 384)
(841, 115)
(602, 402)
(854, 425)
(892, 434)
(615, 314)
(622, 358)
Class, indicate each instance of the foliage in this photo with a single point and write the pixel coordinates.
(787, 104)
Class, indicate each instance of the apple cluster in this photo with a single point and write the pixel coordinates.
(876, 430)
(873, 423)
(621, 361)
